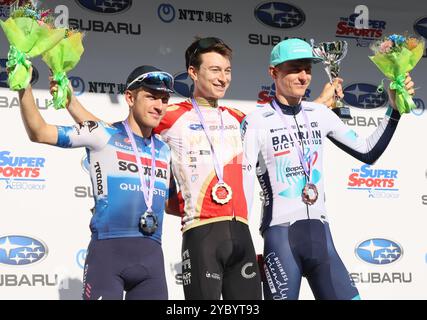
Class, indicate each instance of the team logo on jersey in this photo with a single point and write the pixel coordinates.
(196, 126)
(16, 250)
(183, 84)
(106, 6)
(279, 15)
(379, 251)
(420, 27)
(364, 96)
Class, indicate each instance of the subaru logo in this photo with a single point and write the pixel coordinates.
(379, 251)
(85, 164)
(106, 6)
(81, 258)
(4, 76)
(420, 27)
(21, 250)
(166, 12)
(364, 96)
(183, 84)
(196, 126)
(279, 15)
(78, 85)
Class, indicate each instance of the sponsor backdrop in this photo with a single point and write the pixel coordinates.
(377, 212)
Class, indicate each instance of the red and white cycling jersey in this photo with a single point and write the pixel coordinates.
(192, 161)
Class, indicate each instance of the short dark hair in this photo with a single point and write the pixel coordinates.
(204, 45)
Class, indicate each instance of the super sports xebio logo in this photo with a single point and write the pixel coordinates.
(380, 183)
(21, 173)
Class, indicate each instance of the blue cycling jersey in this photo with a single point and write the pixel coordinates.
(119, 200)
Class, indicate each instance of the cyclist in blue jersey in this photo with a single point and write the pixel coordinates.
(129, 169)
(283, 147)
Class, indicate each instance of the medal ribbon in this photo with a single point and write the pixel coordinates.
(148, 193)
(306, 167)
(218, 169)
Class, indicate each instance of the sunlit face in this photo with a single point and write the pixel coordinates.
(148, 106)
(292, 78)
(213, 77)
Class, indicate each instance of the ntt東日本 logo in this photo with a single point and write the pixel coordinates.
(21, 250)
(106, 6)
(279, 15)
(379, 251)
(364, 96)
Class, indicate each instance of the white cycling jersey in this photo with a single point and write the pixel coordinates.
(270, 153)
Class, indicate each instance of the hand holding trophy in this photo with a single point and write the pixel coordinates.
(331, 54)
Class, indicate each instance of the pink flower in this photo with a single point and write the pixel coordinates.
(386, 46)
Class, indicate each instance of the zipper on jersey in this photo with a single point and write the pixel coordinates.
(302, 146)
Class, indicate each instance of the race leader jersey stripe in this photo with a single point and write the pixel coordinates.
(192, 162)
(271, 155)
(119, 200)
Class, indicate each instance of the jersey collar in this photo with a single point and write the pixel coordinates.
(286, 109)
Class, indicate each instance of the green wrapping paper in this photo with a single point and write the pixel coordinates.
(394, 65)
(61, 59)
(27, 39)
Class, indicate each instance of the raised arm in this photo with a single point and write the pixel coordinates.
(74, 107)
(37, 129)
(370, 149)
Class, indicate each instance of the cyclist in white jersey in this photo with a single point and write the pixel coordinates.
(283, 146)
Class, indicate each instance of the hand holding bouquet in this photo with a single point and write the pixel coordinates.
(30, 33)
(395, 56)
(62, 58)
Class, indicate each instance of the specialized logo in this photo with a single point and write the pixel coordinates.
(21, 250)
(106, 6)
(183, 84)
(78, 85)
(21, 173)
(279, 15)
(420, 27)
(81, 258)
(346, 29)
(380, 183)
(364, 96)
(166, 12)
(379, 251)
(4, 75)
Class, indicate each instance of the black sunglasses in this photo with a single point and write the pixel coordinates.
(204, 44)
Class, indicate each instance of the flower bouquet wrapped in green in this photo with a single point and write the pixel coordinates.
(395, 56)
(30, 32)
(62, 58)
